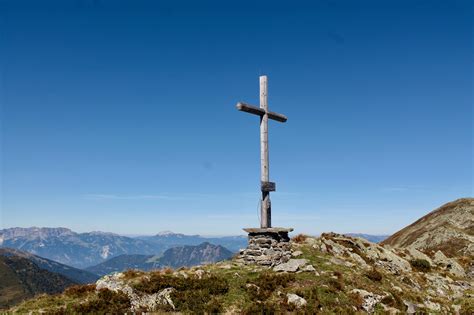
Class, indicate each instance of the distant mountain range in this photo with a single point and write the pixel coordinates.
(74, 249)
(369, 237)
(183, 256)
(167, 239)
(82, 250)
(22, 278)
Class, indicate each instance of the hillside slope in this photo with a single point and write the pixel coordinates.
(74, 274)
(22, 279)
(449, 228)
(330, 274)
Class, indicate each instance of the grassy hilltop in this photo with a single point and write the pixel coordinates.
(334, 274)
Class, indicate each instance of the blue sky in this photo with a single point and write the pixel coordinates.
(120, 115)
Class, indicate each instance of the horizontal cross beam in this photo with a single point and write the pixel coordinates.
(260, 112)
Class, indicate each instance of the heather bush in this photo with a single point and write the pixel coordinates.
(374, 275)
(420, 265)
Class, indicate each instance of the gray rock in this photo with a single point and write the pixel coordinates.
(308, 268)
(370, 299)
(149, 302)
(341, 262)
(200, 273)
(297, 253)
(263, 241)
(432, 306)
(253, 252)
(359, 260)
(296, 300)
(456, 308)
(439, 258)
(411, 308)
(450, 264)
(416, 254)
(291, 266)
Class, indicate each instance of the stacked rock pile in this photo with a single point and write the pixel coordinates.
(267, 247)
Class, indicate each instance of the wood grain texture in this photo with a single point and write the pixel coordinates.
(260, 112)
(265, 215)
(250, 109)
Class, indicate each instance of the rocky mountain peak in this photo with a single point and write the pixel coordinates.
(34, 232)
(165, 233)
(449, 228)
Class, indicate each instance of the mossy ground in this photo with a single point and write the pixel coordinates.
(234, 288)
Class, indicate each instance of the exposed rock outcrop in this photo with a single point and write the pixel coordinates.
(369, 299)
(449, 228)
(138, 302)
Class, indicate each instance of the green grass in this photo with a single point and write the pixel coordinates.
(254, 290)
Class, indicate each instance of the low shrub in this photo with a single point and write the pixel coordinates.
(158, 281)
(374, 275)
(300, 238)
(131, 273)
(191, 295)
(394, 300)
(266, 283)
(79, 290)
(106, 302)
(421, 265)
(260, 308)
(320, 297)
(336, 284)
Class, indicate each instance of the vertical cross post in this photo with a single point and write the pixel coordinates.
(265, 184)
(265, 210)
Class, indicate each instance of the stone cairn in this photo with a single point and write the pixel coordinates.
(267, 246)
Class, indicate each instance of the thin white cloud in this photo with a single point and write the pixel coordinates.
(403, 188)
(124, 197)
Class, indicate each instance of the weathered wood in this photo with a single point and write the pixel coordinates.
(268, 186)
(277, 117)
(250, 109)
(265, 216)
(260, 112)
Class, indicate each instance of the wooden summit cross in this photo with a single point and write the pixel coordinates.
(265, 184)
